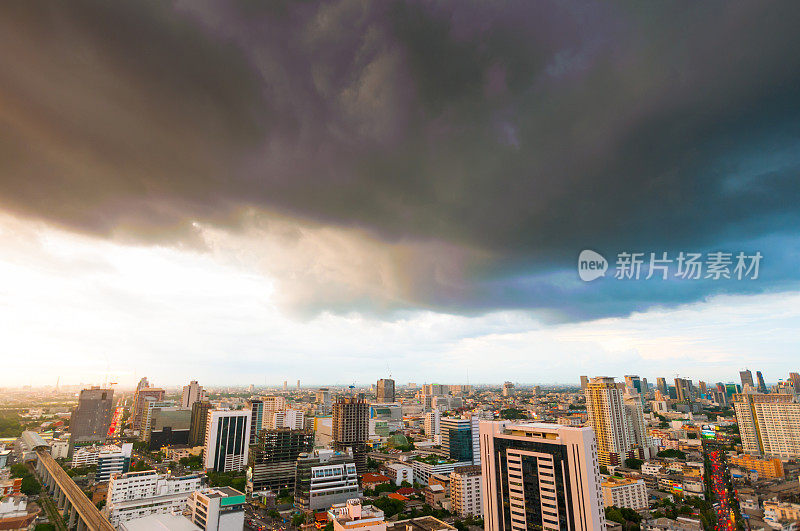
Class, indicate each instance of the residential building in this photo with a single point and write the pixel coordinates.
(192, 393)
(778, 513)
(747, 379)
(398, 473)
(89, 421)
(466, 491)
(508, 389)
(541, 476)
(683, 390)
(289, 418)
(109, 459)
(137, 494)
(584, 382)
(460, 438)
(606, 415)
(217, 509)
(227, 440)
(630, 493)
(769, 424)
(271, 405)
(325, 478)
(272, 459)
(385, 390)
(140, 397)
(351, 428)
(432, 426)
(323, 399)
(354, 516)
(765, 468)
(426, 467)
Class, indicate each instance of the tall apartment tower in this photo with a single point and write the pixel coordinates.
(584, 382)
(540, 476)
(769, 424)
(385, 390)
(747, 379)
(227, 440)
(683, 389)
(661, 385)
(795, 379)
(762, 387)
(143, 394)
(638, 439)
(91, 418)
(192, 393)
(606, 414)
(351, 428)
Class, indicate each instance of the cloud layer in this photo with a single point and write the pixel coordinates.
(473, 149)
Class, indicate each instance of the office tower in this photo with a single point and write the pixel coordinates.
(702, 388)
(138, 494)
(140, 397)
(769, 424)
(683, 390)
(109, 459)
(540, 476)
(432, 426)
(661, 385)
(273, 458)
(91, 418)
(256, 408)
(287, 418)
(762, 387)
(167, 426)
(192, 393)
(198, 423)
(385, 390)
(645, 388)
(584, 382)
(147, 414)
(466, 491)
(351, 428)
(432, 389)
(324, 400)
(460, 438)
(606, 414)
(217, 509)
(227, 440)
(285, 385)
(795, 379)
(508, 389)
(747, 379)
(325, 478)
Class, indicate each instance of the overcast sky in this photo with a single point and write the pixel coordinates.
(243, 192)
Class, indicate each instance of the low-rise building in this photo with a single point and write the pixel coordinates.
(354, 516)
(667, 524)
(764, 467)
(423, 523)
(161, 522)
(325, 478)
(217, 509)
(425, 467)
(466, 491)
(434, 495)
(137, 494)
(628, 493)
(398, 473)
(776, 512)
(370, 480)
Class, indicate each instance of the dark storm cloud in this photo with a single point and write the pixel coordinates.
(528, 130)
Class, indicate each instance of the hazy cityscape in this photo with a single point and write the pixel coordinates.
(399, 265)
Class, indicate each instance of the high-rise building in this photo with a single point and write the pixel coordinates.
(460, 438)
(638, 439)
(139, 494)
(466, 491)
(192, 393)
(584, 382)
(199, 422)
(747, 379)
(271, 405)
(256, 408)
(762, 387)
(540, 476)
(661, 385)
(769, 424)
(90, 419)
(508, 389)
(140, 399)
(606, 415)
(217, 509)
(227, 440)
(795, 379)
(385, 390)
(683, 390)
(273, 458)
(325, 478)
(432, 426)
(351, 428)
(634, 382)
(324, 400)
(167, 426)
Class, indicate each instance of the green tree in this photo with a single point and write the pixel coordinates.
(329, 526)
(298, 519)
(30, 486)
(44, 527)
(19, 471)
(634, 463)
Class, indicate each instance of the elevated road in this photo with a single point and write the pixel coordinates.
(79, 510)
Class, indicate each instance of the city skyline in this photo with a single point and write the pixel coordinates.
(394, 188)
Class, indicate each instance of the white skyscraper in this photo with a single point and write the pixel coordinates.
(227, 440)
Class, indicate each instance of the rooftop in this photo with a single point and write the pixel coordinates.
(424, 523)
